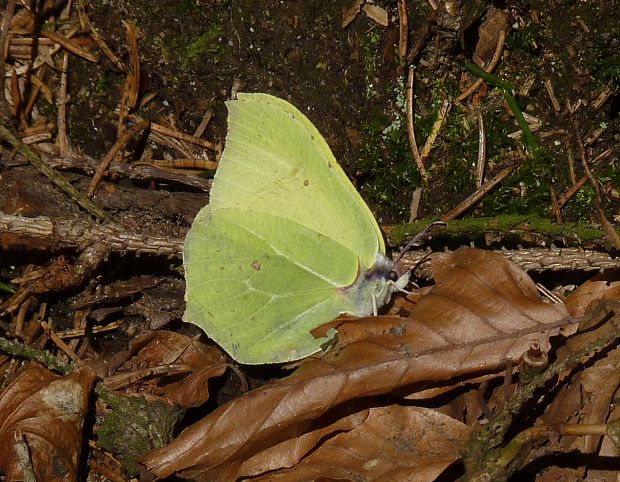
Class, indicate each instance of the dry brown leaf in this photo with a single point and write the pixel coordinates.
(46, 411)
(376, 13)
(394, 443)
(588, 397)
(483, 311)
(350, 13)
(480, 298)
(291, 451)
(488, 34)
(600, 384)
(604, 286)
(161, 347)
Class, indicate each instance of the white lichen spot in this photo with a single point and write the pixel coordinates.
(65, 398)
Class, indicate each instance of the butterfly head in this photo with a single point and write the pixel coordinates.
(373, 288)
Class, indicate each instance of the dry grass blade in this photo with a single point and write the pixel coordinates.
(441, 116)
(132, 84)
(482, 312)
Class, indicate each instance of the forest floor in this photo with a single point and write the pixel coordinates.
(131, 110)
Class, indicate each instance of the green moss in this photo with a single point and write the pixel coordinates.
(526, 39)
(185, 7)
(607, 69)
(457, 173)
(207, 43)
(513, 230)
(371, 58)
(582, 205)
(526, 191)
(101, 86)
(389, 173)
(134, 426)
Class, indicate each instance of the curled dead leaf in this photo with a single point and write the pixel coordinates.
(397, 443)
(488, 34)
(376, 13)
(351, 12)
(602, 286)
(45, 412)
(160, 349)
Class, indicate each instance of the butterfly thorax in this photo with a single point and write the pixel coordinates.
(373, 288)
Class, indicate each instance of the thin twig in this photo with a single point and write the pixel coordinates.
(122, 380)
(477, 196)
(410, 129)
(79, 332)
(118, 145)
(62, 139)
(403, 30)
(165, 131)
(571, 167)
(54, 176)
(60, 343)
(198, 165)
(564, 198)
(430, 140)
(556, 211)
(482, 150)
(415, 204)
(88, 165)
(610, 232)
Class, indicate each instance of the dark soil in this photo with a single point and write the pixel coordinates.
(350, 83)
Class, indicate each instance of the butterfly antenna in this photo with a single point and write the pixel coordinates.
(415, 241)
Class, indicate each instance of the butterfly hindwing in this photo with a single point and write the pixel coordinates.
(256, 285)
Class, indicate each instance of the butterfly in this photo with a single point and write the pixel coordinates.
(286, 243)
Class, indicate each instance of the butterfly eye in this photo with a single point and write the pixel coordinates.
(393, 276)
